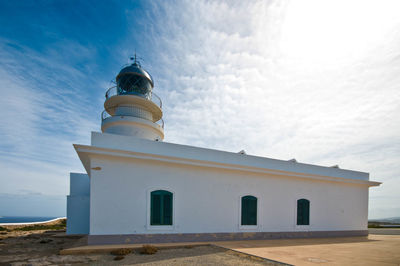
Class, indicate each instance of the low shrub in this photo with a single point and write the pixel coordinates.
(40, 227)
(58, 225)
(61, 225)
(374, 226)
(121, 252)
(148, 250)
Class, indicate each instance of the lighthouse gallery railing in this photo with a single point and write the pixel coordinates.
(113, 91)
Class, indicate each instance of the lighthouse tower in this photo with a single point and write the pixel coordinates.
(131, 107)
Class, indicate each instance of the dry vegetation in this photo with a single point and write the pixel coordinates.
(59, 224)
(34, 245)
(148, 250)
(121, 252)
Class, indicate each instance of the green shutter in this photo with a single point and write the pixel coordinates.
(155, 209)
(299, 213)
(167, 212)
(253, 211)
(249, 210)
(244, 211)
(303, 212)
(161, 208)
(306, 215)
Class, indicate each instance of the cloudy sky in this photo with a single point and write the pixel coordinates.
(314, 80)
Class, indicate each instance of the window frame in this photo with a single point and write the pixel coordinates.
(249, 227)
(148, 210)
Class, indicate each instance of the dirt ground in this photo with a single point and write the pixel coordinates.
(42, 248)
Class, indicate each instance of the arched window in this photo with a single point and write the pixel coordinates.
(161, 207)
(249, 210)
(303, 212)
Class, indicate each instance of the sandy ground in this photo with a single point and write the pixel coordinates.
(42, 248)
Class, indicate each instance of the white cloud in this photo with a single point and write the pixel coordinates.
(280, 79)
(257, 76)
(44, 110)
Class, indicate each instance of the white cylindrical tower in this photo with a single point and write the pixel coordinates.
(131, 108)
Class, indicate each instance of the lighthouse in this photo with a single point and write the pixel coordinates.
(136, 190)
(131, 108)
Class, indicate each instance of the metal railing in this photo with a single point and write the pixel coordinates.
(111, 92)
(105, 115)
(155, 99)
(114, 91)
(160, 123)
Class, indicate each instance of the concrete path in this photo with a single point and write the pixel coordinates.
(371, 250)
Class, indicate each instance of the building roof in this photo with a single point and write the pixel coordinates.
(126, 146)
(136, 70)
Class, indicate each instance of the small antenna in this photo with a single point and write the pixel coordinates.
(134, 58)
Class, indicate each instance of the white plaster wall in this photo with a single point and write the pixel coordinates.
(146, 146)
(78, 204)
(207, 200)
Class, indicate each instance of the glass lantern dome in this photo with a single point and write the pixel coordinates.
(134, 80)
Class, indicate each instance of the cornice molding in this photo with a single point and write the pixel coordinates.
(85, 152)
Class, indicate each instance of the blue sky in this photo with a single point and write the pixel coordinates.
(314, 81)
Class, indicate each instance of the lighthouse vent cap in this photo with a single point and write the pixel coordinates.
(134, 80)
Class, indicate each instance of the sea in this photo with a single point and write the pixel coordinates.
(24, 219)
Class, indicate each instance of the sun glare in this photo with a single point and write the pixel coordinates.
(325, 31)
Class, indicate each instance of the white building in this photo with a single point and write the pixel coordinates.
(139, 189)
